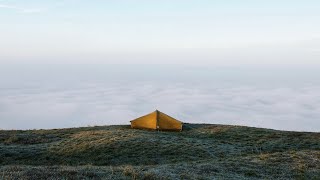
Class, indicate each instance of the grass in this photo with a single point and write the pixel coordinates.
(201, 151)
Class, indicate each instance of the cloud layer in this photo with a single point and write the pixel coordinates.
(68, 98)
(99, 104)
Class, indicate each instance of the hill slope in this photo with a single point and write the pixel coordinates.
(119, 152)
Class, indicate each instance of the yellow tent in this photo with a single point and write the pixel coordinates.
(157, 121)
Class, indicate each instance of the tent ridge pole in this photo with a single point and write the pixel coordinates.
(157, 115)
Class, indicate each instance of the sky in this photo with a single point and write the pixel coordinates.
(71, 63)
(213, 32)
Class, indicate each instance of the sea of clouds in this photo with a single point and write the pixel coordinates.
(60, 96)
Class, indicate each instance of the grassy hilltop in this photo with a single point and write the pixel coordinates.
(199, 152)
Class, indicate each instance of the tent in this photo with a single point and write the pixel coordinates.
(157, 121)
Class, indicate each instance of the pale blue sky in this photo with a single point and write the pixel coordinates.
(214, 32)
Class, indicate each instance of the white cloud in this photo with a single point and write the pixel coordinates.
(278, 108)
(22, 9)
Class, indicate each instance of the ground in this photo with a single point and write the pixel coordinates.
(201, 151)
